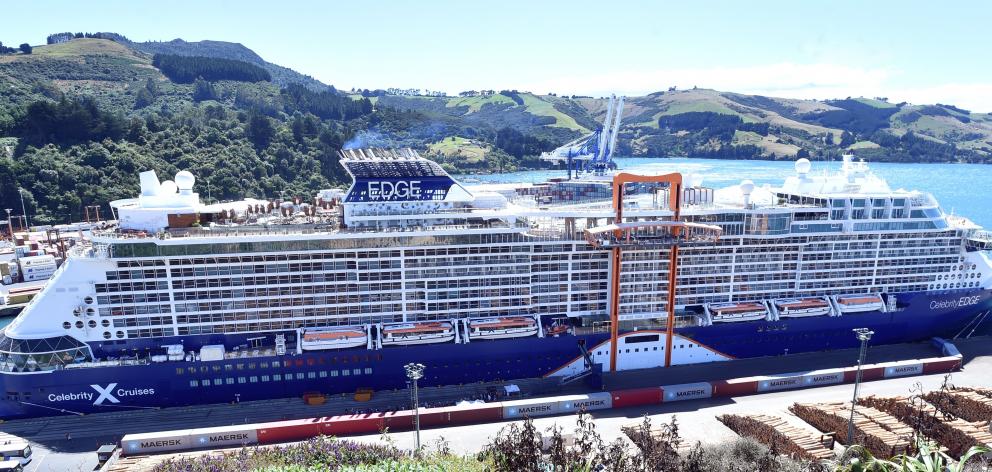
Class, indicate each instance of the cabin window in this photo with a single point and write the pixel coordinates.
(194, 383)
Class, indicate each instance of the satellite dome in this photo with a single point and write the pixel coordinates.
(168, 188)
(802, 166)
(747, 186)
(185, 180)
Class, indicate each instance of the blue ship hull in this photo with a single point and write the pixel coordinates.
(115, 388)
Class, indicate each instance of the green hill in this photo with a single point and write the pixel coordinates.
(80, 119)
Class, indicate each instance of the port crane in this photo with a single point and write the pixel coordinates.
(592, 153)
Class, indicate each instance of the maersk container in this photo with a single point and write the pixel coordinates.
(161, 441)
(529, 408)
(224, 436)
(689, 391)
(588, 402)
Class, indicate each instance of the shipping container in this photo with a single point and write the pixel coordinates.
(161, 441)
(342, 425)
(942, 365)
(689, 391)
(224, 436)
(285, 431)
(903, 368)
(823, 377)
(733, 387)
(771, 383)
(636, 397)
(529, 408)
(588, 402)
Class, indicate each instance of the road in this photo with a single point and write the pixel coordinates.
(696, 418)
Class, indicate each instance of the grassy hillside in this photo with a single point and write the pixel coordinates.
(80, 119)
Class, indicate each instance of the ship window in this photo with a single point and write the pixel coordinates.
(345, 373)
(67, 325)
(323, 374)
(106, 335)
(368, 371)
(79, 324)
(265, 378)
(242, 380)
(180, 371)
(311, 375)
(334, 373)
(218, 381)
(253, 379)
(215, 368)
(276, 377)
(92, 323)
(194, 383)
(357, 372)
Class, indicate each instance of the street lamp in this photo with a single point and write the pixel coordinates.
(864, 335)
(415, 372)
(10, 226)
(27, 226)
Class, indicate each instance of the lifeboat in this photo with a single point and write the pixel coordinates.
(502, 327)
(422, 332)
(799, 307)
(333, 338)
(859, 303)
(737, 311)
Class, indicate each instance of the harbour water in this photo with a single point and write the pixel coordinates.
(958, 187)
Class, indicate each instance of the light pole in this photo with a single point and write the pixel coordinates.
(415, 372)
(27, 226)
(10, 226)
(864, 335)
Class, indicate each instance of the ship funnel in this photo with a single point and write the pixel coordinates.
(149, 183)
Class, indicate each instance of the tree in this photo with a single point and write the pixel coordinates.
(260, 130)
(25, 48)
(203, 90)
(846, 139)
(143, 98)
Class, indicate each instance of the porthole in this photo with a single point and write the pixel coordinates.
(92, 323)
(106, 335)
(67, 325)
(105, 323)
(79, 324)
(90, 312)
(88, 300)
(77, 311)
(120, 334)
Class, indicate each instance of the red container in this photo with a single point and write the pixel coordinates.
(398, 420)
(351, 424)
(868, 372)
(941, 365)
(285, 431)
(734, 387)
(636, 397)
(475, 414)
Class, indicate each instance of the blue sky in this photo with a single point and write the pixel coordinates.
(918, 51)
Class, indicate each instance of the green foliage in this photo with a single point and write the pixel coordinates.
(25, 48)
(203, 90)
(185, 69)
(328, 105)
(68, 121)
(929, 458)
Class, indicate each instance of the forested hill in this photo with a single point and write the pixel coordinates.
(81, 117)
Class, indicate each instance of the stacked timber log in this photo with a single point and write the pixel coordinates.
(955, 434)
(775, 433)
(971, 406)
(984, 391)
(879, 432)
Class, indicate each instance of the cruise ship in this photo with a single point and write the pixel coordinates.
(183, 302)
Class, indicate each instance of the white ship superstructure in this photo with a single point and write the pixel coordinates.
(408, 258)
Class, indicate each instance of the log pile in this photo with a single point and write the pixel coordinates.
(879, 432)
(968, 405)
(984, 391)
(955, 434)
(775, 433)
